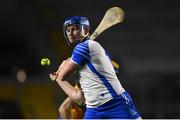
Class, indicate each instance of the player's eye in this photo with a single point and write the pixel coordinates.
(68, 30)
(72, 28)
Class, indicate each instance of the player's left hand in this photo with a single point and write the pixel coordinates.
(53, 76)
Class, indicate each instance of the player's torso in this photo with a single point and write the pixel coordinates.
(97, 78)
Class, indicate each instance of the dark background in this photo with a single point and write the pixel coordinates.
(146, 46)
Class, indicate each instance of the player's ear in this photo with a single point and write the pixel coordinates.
(85, 31)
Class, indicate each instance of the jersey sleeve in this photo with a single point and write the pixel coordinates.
(81, 54)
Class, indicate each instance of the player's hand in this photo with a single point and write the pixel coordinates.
(53, 76)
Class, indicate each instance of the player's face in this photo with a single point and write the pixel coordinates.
(73, 33)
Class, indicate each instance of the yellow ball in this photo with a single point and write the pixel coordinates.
(45, 61)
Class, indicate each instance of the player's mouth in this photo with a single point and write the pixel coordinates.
(71, 39)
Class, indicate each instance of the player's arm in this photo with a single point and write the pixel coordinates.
(70, 110)
(65, 108)
(75, 94)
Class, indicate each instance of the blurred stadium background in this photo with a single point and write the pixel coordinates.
(146, 45)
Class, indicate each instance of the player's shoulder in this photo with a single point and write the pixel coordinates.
(93, 43)
(84, 43)
(88, 44)
(82, 46)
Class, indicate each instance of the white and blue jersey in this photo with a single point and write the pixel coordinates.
(98, 79)
(105, 97)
